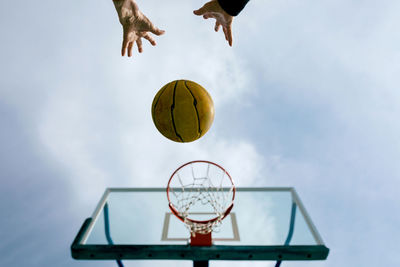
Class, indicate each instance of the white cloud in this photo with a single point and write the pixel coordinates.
(125, 149)
(324, 77)
(100, 127)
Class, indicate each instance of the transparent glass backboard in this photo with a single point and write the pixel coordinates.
(269, 221)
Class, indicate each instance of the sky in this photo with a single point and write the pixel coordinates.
(306, 97)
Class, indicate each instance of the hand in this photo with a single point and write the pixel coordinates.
(135, 25)
(212, 9)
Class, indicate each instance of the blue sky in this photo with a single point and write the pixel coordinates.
(307, 97)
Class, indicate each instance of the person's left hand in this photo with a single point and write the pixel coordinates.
(135, 26)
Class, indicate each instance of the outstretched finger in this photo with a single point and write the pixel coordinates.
(229, 35)
(139, 45)
(150, 39)
(225, 33)
(124, 46)
(130, 49)
(217, 25)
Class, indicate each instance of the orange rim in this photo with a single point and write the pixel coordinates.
(175, 211)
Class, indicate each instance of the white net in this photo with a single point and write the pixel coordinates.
(202, 194)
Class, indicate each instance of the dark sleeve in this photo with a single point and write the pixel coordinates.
(232, 7)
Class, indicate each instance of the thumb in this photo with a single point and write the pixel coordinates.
(200, 11)
(157, 31)
(151, 28)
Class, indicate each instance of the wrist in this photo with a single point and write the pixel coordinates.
(118, 5)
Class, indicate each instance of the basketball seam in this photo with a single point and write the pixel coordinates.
(162, 91)
(156, 101)
(172, 113)
(195, 107)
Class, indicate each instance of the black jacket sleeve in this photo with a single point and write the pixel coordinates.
(232, 7)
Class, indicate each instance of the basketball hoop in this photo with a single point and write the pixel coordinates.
(201, 185)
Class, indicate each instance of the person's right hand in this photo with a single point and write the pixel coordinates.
(213, 9)
(135, 25)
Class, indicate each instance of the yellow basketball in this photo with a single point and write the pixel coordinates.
(182, 111)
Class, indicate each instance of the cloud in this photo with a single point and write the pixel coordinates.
(306, 97)
(106, 147)
(98, 126)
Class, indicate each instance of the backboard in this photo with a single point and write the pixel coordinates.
(136, 223)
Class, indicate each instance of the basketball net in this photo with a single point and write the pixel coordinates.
(204, 184)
